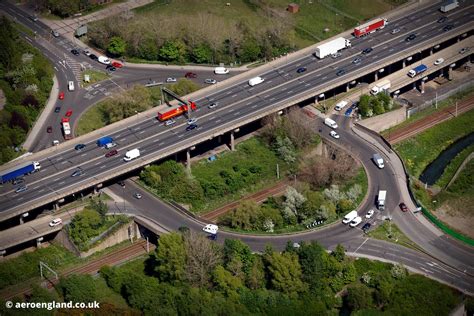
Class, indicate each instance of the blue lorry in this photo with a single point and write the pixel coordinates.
(417, 70)
(19, 171)
(101, 142)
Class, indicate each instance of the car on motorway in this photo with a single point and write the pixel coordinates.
(301, 70)
(210, 81)
(212, 105)
(55, 222)
(110, 145)
(78, 172)
(357, 60)
(75, 52)
(79, 146)
(442, 19)
(335, 55)
(463, 50)
(171, 79)
(137, 195)
(116, 64)
(403, 207)
(340, 72)
(448, 27)
(69, 113)
(192, 121)
(369, 214)
(61, 95)
(367, 51)
(121, 183)
(22, 188)
(93, 57)
(191, 127)
(190, 75)
(111, 153)
(438, 61)
(110, 68)
(55, 33)
(366, 227)
(410, 37)
(334, 134)
(49, 129)
(395, 30)
(170, 122)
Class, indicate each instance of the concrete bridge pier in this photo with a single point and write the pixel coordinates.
(38, 242)
(188, 159)
(22, 217)
(450, 73)
(232, 142)
(2, 253)
(422, 86)
(376, 76)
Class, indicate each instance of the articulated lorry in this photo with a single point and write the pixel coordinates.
(383, 85)
(381, 199)
(19, 171)
(370, 27)
(332, 47)
(163, 116)
(417, 70)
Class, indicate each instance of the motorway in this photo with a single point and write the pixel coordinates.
(240, 102)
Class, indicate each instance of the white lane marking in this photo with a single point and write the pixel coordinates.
(307, 85)
(291, 91)
(142, 132)
(44, 169)
(426, 270)
(272, 99)
(248, 103)
(218, 121)
(160, 144)
(56, 179)
(323, 78)
(63, 162)
(254, 106)
(270, 81)
(83, 155)
(361, 245)
(121, 140)
(234, 95)
(97, 163)
(102, 167)
(155, 140)
(40, 190)
(236, 113)
(62, 182)
(19, 199)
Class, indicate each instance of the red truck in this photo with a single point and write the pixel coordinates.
(370, 27)
(175, 112)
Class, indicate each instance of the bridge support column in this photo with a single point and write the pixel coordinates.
(38, 242)
(232, 143)
(403, 63)
(22, 217)
(450, 74)
(347, 87)
(219, 139)
(376, 76)
(2, 253)
(422, 86)
(56, 206)
(188, 159)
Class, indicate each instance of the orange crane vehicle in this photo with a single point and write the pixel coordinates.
(181, 109)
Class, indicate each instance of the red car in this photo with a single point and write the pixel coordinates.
(111, 153)
(190, 75)
(69, 113)
(61, 95)
(116, 64)
(64, 120)
(49, 129)
(403, 207)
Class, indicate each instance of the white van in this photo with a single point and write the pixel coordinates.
(330, 123)
(211, 229)
(131, 154)
(340, 105)
(221, 71)
(350, 217)
(70, 85)
(103, 60)
(256, 81)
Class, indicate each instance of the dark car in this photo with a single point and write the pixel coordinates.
(340, 72)
(18, 181)
(190, 75)
(111, 153)
(79, 146)
(442, 19)
(49, 129)
(191, 127)
(75, 52)
(403, 207)
(77, 173)
(93, 57)
(357, 60)
(301, 70)
(368, 50)
(366, 227)
(448, 27)
(410, 37)
(110, 68)
(57, 109)
(121, 183)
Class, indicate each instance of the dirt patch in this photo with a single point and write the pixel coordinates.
(458, 214)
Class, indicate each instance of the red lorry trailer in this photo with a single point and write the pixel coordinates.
(370, 27)
(175, 112)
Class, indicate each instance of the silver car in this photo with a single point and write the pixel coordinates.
(210, 81)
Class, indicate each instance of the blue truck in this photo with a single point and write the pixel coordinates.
(101, 142)
(19, 171)
(417, 70)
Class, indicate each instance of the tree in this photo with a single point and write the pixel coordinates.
(117, 46)
(285, 149)
(293, 202)
(364, 106)
(226, 282)
(339, 253)
(78, 288)
(245, 215)
(173, 51)
(171, 257)
(377, 106)
(285, 273)
(202, 54)
(256, 274)
(250, 50)
(141, 291)
(235, 248)
(358, 297)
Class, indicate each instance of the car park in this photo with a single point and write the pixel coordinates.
(366, 227)
(55, 33)
(22, 188)
(334, 134)
(340, 72)
(448, 27)
(69, 113)
(442, 19)
(403, 207)
(212, 105)
(410, 37)
(395, 30)
(357, 60)
(61, 95)
(301, 70)
(438, 61)
(369, 214)
(190, 75)
(137, 195)
(368, 50)
(49, 129)
(78, 172)
(191, 127)
(210, 81)
(111, 153)
(55, 222)
(192, 121)
(57, 109)
(116, 64)
(75, 52)
(79, 146)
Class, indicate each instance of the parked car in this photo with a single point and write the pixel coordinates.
(55, 222)
(87, 52)
(110, 68)
(368, 50)
(301, 70)
(369, 214)
(116, 64)
(210, 81)
(448, 27)
(410, 37)
(75, 52)
(191, 127)
(57, 109)
(69, 113)
(103, 60)
(395, 30)
(334, 134)
(190, 75)
(111, 153)
(137, 195)
(93, 57)
(340, 72)
(192, 121)
(78, 172)
(442, 19)
(366, 227)
(439, 61)
(22, 188)
(79, 146)
(61, 95)
(170, 79)
(170, 122)
(55, 33)
(212, 105)
(403, 207)
(49, 129)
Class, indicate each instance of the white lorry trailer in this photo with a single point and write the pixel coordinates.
(383, 85)
(350, 217)
(332, 47)
(381, 200)
(449, 5)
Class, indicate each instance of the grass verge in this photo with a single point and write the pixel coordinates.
(392, 234)
(453, 166)
(91, 120)
(95, 76)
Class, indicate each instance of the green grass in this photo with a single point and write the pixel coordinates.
(95, 76)
(91, 120)
(417, 152)
(453, 166)
(382, 232)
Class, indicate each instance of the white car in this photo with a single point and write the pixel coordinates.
(438, 61)
(356, 221)
(256, 81)
(171, 79)
(169, 122)
(212, 105)
(221, 71)
(103, 60)
(191, 121)
(87, 52)
(137, 195)
(56, 222)
(211, 229)
(334, 134)
(210, 81)
(369, 214)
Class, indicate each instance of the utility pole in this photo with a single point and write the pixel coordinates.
(436, 100)
(456, 115)
(278, 172)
